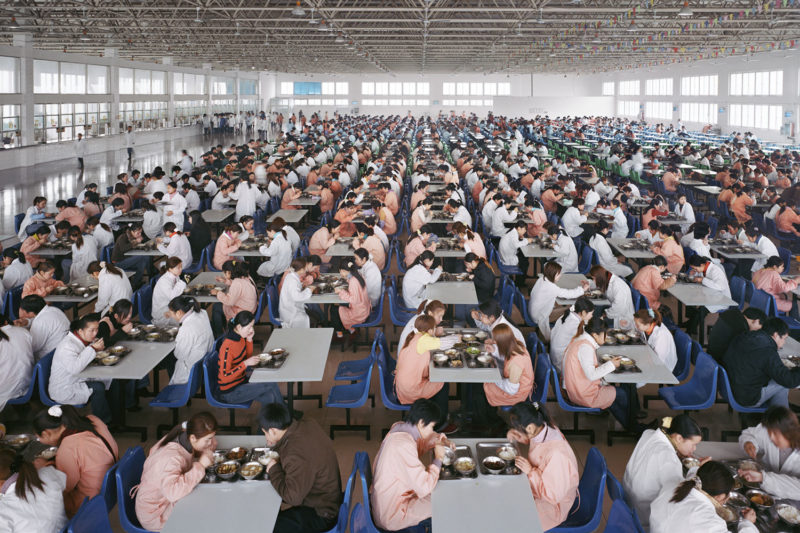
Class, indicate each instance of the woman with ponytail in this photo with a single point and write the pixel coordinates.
(195, 337)
(86, 450)
(418, 242)
(655, 464)
(691, 507)
(322, 239)
(17, 269)
(371, 274)
(175, 244)
(565, 328)
(659, 338)
(418, 277)
(112, 283)
(240, 294)
(458, 212)
(31, 493)
(551, 466)
(227, 244)
(43, 282)
(482, 275)
(278, 251)
(516, 384)
(368, 240)
(471, 242)
(16, 361)
(169, 286)
(175, 466)
(355, 296)
(84, 251)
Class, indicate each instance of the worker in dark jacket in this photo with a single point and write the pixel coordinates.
(758, 376)
(730, 324)
(306, 473)
(482, 275)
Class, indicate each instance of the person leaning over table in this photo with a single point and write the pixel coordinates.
(32, 492)
(371, 274)
(17, 269)
(583, 376)
(617, 292)
(509, 250)
(168, 286)
(175, 465)
(669, 248)
(490, 314)
(227, 245)
(278, 251)
(658, 337)
(482, 275)
(710, 275)
(729, 325)
(656, 462)
(194, 339)
(240, 294)
(418, 242)
(306, 473)
(516, 384)
(33, 243)
(402, 484)
(16, 361)
(605, 256)
(769, 280)
(418, 277)
(691, 507)
(775, 443)
(175, 244)
(432, 308)
(140, 264)
(86, 450)
(112, 285)
(48, 325)
(357, 307)
(43, 282)
(550, 466)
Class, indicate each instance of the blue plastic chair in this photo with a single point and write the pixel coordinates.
(348, 397)
(400, 258)
(786, 256)
(344, 508)
(18, 218)
(507, 299)
(617, 493)
(198, 265)
(683, 347)
(43, 366)
(738, 290)
(128, 475)
(92, 517)
(398, 314)
(144, 299)
(621, 519)
(12, 302)
(374, 320)
(699, 392)
(211, 382)
(587, 259)
(109, 489)
(106, 253)
(541, 377)
(586, 512)
(25, 398)
(209, 251)
(176, 396)
(360, 522)
(386, 366)
(522, 304)
(576, 410)
(726, 393)
(272, 305)
(356, 370)
(766, 302)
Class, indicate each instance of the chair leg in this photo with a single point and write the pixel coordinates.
(301, 396)
(163, 429)
(578, 432)
(232, 427)
(349, 426)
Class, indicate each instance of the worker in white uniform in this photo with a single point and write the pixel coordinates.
(565, 328)
(573, 218)
(544, 293)
(564, 248)
(605, 257)
(174, 206)
(773, 444)
(175, 244)
(293, 297)
(169, 286)
(618, 293)
(418, 277)
(279, 251)
(16, 363)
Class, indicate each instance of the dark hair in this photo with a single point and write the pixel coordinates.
(698, 260)
(775, 325)
(274, 415)
(95, 266)
(648, 316)
(715, 477)
(491, 308)
(242, 318)
(754, 313)
(352, 269)
(121, 307)
(582, 305)
(238, 269)
(45, 266)
(184, 304)
(594, 326)
(199, 425)
(277, 226)
(296, 264)
(170, 263)
(660, 261)
(550, 270)
(33, 303)
(71, 419)
(75, 231)
(600, 276)
(27, 475)
(421, 324)
(82, 322)
(666, 230)
(14, 253)
(169, 227)
(61, 203)
(424, 256)
(774, 261)
(783, 420)
(524, 414)
(425, 411)
(654, 224)
(684, 426)
(44, 230)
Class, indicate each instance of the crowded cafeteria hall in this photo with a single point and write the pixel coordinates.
(334, 267)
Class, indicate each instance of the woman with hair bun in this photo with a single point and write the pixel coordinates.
(32, 493)
(194, 339)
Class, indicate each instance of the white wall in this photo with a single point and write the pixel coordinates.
(786, 60)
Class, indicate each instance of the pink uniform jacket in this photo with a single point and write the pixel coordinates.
(770, 281)
(411, 374)
(320, 241)
(647, 281)
(374, 246)
(554, 479)
(240, 296)
(360, 306)
(580, 389)
(496, 396)
(672, 252)
(413, 249)
(223, 250)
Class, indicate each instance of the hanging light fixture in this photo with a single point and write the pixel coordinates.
(298, 11)
(197, 18)
(686, 11)
(85, 36)
(14, 25)
(339, 38)
(323, 26)
(541, 18)
(633, 26)
(313, 20)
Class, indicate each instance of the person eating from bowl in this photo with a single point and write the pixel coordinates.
(402, 484)
(305, 474)
(775, 443)
(175, 466)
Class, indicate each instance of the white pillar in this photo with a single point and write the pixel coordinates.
(207, 69)
(167, 60)
(113, 88)
(25, 42)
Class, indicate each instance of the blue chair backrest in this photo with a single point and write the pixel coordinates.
(614, 487)
(764, 301)
(621, 519)
(541, 377)
(531, 342)
(786, 256)
(360, 521)
(587, 260)
(109, 488)
(772, 229)
(738, 287)
(210, 256)
(11, 305)
(399, 316)
(144, 297)
(211, 373)
(591, 489)
(45, 364)
(726, 393)
(365, 471)
(683, 347)
(18, 218)
(106, 254)
(507, 299)
(713, 223)
(92, 517)
(705, 373)
(272, 305)
(129, 474)
(386, 366)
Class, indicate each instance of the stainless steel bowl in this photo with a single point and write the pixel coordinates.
(48, 453)
(440, 358)
(788, 513)
(507, 453)
(729, 514)
(690, 462)
(737, 500)
(493, 464)
(102, 354)
(61, 290)
(153, 337)
(80, 291)
(110, 360)
(135, 331)
(449, 457)
(149, 328)
(760, 499)
(116, 350)
(251, 470)
(464, 465)
(219, 456)
(227, 469)
(484, 359)
(264, 358)
(173, 331)
(469, 337)
(236, 454)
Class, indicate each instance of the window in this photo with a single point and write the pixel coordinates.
(9, 76)
(699, 85)
(409, 102)
(476, 89)
(504, 89)
(699, 112)
(448, 88)
(476, 102)
(662, 110)
(629, 88)
(327, 101)
(45, 76)
(189, 83)
(9, 121)
(307, 87)
(88, 119)
(141, 79)
(248, 87)
(73, 78)
(757, 83)
(314, 101)
(629, 108)
(395, 101)
(96, 79)
(462, 88)
(423, 101)
(368, 88)
(287, 87)
(659, 87)
(395, 88)
(488, 103)
(158, 82)
(768, 117)
(382, 88)
(341, 102)
(448, 102)
(462, 103)
(409, 89)
(423, 88)
(342, 87)
(490, 88)
(368, 102)
(381, 101)
(608, 88)
(220, 85)
(328, 87)
(125, 81)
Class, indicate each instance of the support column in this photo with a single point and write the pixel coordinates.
(208, 71)
(25, 42)
(113, 88)
(237, 106)
(167, 60)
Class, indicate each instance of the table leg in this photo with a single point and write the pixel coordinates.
(120, 414)
(301, 396)
(702, 333)
(290, 397)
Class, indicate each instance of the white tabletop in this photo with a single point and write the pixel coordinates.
(8, 240)
(632, 253)
(52, 252)
(314, 200)
(695, 294)
(215, 216)
(308, 352)
(653, 369)
(709, 189)
(70, 299)
(727, 255)
(573, 281)
(289, 215)
(463, 374)
(153, 253)
(790, 347)
(340, 249)
(531, 250)
(144, 357)
(206, 278)
(506, 502)
(129, 218)
(331, 298)
(720, 451)
(450, 253)
(453, 292)
(248, 505)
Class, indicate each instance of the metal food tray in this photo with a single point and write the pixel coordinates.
(123, 353)
(449, 472)
(448, 364)
(485, 449)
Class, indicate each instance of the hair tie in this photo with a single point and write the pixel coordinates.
(415, 331)
(536, 405)
(666, 422)
(184, 425)
(698, 484)
(55, 411)
(651, 313)
(102, 264)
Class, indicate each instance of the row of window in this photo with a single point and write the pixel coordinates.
(315, 87)
(767, 117)
(289, 102)
(766, 83)
(658, 110)
(395, 88)
(488, 88)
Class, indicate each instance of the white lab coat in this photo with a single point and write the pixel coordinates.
(16, 274)
(192, 200)
(572, 221)
(175, 204)
(716, 279)
(167, 287)
(686, 211)
(566, 253)
(372, 277)
(606, 257)
(695, 514)
(48, 329)
(663, 343)
(81, 257)
(27, 221)
(80, 147)
(653, 466)
(291, 302)
(502, 320)
(619, 228)
(102, 237)
(70, 359)
(245, 197)
(619, 294)
(500, 216)
(764, 245)
(111, 289)
(462, 215)
(543, 300)
(509, 244)
(782, 481)
(560, 337)
(415, 284)
(178, 246)
(279, 252)
(152, 224)
(294, 238)
(42, 511)
(193, 341)
(130, 139)
(16, 364)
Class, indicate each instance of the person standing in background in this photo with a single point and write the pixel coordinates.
(130, 140)
(80, 150)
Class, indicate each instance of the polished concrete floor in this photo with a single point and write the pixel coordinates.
(63, 179)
